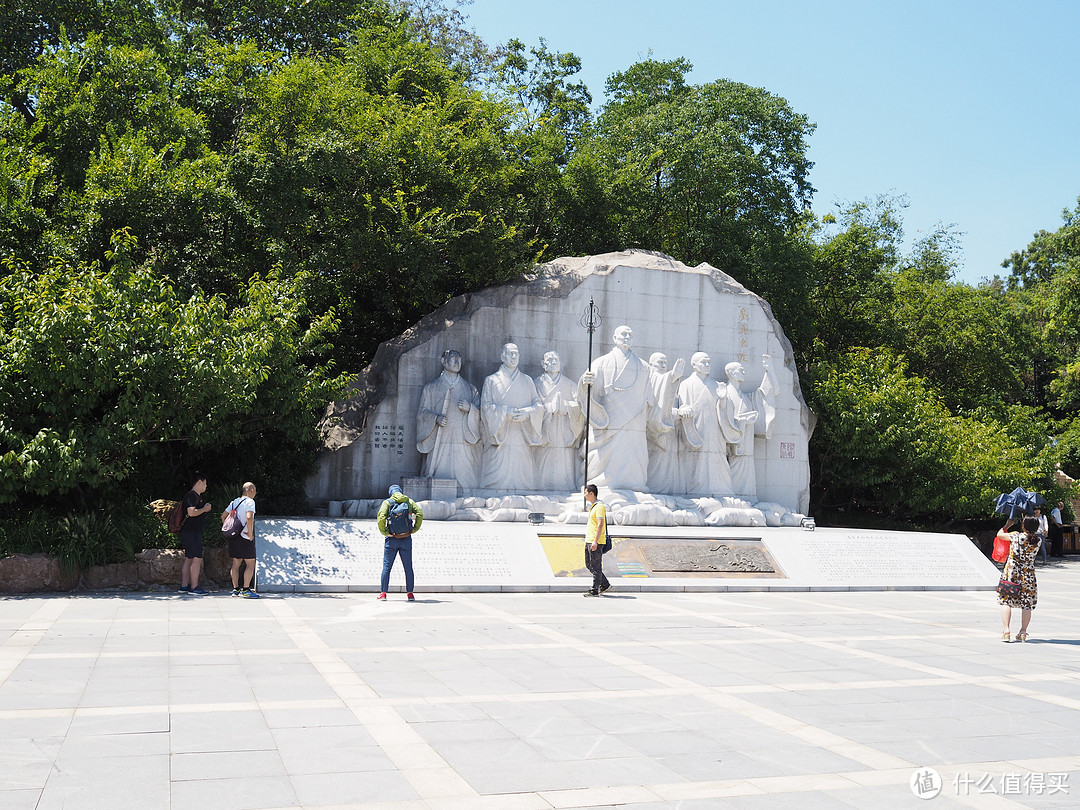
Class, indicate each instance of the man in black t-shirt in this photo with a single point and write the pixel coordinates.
(191, 536)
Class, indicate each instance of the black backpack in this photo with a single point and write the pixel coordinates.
(399, 520)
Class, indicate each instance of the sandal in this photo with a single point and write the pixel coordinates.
(1021, 636)
(1005, 636)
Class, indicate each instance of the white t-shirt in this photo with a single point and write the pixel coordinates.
(243, 506)
(1044, 528)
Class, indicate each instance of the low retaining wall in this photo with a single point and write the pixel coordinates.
(151, 569)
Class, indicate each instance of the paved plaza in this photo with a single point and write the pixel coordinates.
(638, 700)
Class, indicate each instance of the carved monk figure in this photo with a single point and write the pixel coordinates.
(623, 405)
(704, 450)
(664, 473)
(742, 416)
(511, 414)
(448, 426)
(557, 462)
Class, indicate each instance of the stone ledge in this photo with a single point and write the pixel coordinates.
(152, 568)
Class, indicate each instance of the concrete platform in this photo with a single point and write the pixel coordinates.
(343, 555)
(460, 701)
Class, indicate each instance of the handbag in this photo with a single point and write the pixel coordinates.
(1001, 548)
(1008, 588)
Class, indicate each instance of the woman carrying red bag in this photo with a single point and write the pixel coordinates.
(1020, 568)
(1001, 543)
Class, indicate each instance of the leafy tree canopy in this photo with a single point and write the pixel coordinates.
(715, 172)
(110, 379)
(886, 444)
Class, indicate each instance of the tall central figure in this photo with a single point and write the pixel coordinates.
(623, 407)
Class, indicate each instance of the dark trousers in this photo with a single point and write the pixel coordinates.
(394, 547)
(594, 561)
(1057, 540)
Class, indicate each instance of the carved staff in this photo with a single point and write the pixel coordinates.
(590, 320)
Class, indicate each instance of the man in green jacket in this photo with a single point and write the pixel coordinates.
(397, 526)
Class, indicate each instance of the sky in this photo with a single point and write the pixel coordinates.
(969, 110)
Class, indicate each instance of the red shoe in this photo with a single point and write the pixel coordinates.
(411, 597)
(381, 596)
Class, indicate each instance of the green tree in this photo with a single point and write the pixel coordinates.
(314, 27)
(386, 179)
(851, 294)
(31, 28)
(1047, 254)
(27, 183)
(715, 172)
(1046, 277)
(885, 444)
(973, 344)
(445, 29)
(549, 121)
(94, 90)
(109, 380)
(371, 168)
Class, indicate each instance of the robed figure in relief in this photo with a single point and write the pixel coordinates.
(742, 416)
(704, 449)
(511, 414)
(623, 406)
(557, 463)
(448, 426)
(664, 473)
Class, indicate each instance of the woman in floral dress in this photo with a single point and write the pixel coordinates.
(1020, 567)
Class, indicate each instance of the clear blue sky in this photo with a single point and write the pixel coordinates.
(969, 109)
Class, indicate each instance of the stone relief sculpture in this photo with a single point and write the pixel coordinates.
(651, 432)
(511, 414)
(741, 417)
(704, 451)
(448, 426)
(558, 466)
(664, 474)
(622, 406)
(670, 445)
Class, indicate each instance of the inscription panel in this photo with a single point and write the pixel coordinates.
(350, 553)
(888, 558)
(390, 438)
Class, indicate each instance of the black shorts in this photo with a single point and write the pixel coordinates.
(240, 548)
(192, 545)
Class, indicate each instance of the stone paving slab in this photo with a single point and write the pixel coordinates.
(539, 700)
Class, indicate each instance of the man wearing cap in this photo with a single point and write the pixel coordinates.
(398, 543)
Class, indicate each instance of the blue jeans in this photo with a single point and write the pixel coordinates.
(397, 546)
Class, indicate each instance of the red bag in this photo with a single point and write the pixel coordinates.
(1002, 545)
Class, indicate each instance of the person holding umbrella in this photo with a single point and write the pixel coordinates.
(1020, 569)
